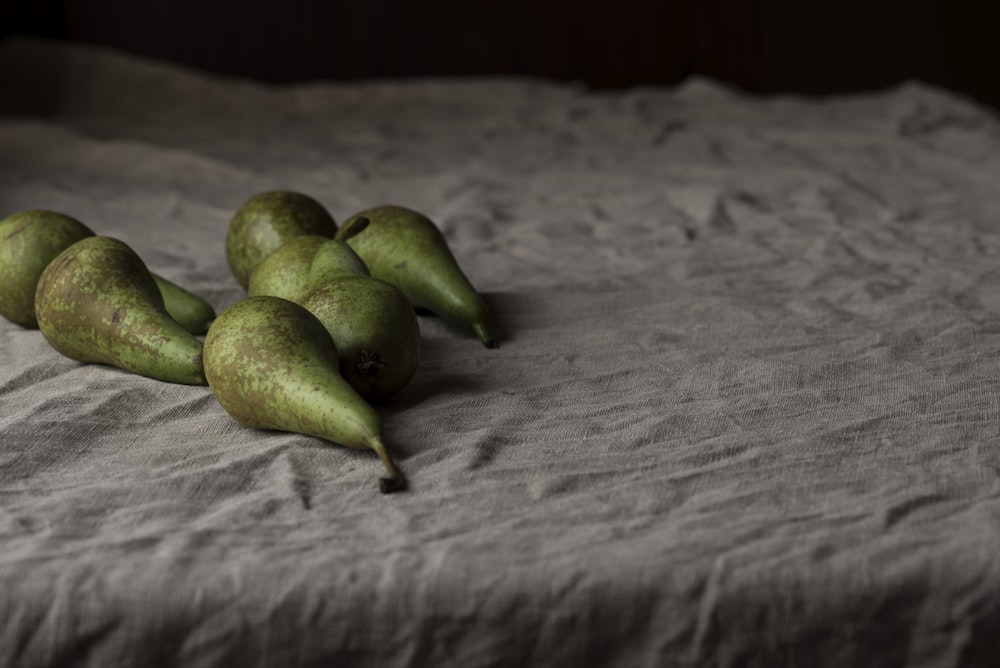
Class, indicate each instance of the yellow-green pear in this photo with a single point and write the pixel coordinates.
(266, 221)
(30, 239)
(272, 365)
(375, 330)
(406, 248)
(96, 302)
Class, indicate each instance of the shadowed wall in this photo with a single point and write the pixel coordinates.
(759, 45)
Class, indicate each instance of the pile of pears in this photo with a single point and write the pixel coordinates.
(328, 328)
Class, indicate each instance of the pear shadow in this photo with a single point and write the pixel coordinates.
(505, 309)
(420, 390)
(497, 303)
(500, 306)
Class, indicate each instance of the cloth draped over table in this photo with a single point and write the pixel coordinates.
(744, 412)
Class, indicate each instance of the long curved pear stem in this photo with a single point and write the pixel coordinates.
(395, 481)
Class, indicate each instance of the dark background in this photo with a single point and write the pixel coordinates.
(764, 46)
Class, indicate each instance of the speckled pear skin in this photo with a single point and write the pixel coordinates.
(375, 330)
(29, 240)
(272, 365)
(266, 221)
(405, 248)
(96, 302)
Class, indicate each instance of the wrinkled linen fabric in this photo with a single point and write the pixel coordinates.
(745, 409)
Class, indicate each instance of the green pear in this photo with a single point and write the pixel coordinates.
(189, 310)
(291, 271)
(96, 302)
(406, 248)
(272, 365)
(29, 240)
(285, 271)
(334, 259)
(266, 221)
(375, 330)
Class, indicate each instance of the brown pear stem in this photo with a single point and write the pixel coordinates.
(395, 481)
(351, 228)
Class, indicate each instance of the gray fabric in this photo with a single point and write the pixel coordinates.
(744, 413)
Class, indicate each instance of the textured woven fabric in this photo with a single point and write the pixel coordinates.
(745, 409)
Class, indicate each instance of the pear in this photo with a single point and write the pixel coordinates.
(272, 365)
(29, 240)
(375, 330)
(266, 221)
(97, 302)
(406, 248)
(334, 259)
(285, 271)
(189, 310)
(291, 271)
(297, 265)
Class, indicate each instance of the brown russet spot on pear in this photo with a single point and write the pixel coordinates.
(272, 365)
(96, 302)
(405, 248)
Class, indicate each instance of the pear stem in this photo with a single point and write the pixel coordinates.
(352, 228)
(395, 481)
